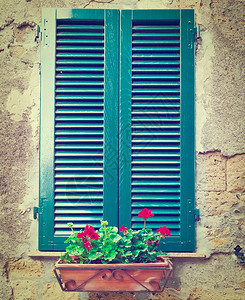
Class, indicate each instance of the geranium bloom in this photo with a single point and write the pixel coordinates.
(87, 245)
(89, 232)
(89, 229)
(123, 228)
(163, 231)
(80, 235)
(145, 214)
(94, 236)
(86, 235)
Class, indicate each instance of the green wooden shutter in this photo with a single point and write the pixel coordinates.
(79, 122)
(157, 122)
(79, 141)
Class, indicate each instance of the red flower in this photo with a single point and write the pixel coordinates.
(87, 245)
(123, 229)
(89, 229)
(89, 232)
(145, 214)
(86, 235)
(163, 231)
(80, 235)
(94, 236)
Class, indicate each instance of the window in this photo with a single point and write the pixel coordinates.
(117, 122)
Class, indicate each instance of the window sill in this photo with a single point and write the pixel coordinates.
(170, 254)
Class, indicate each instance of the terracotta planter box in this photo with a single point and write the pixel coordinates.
(135, 277)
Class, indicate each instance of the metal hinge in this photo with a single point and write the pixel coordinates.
(197, 32)
(35, 212)
(197, 214)
(37, 32)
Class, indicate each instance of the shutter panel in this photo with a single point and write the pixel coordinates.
(84, 187)
(79, 122)
(79, 134)
(46, 182)
(157, 123)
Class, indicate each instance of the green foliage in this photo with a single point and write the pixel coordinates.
(108, 246)
(109, 238)
(139, 246)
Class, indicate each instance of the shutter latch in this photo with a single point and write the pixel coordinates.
(197, 214)
(197, 32)
(35, 212)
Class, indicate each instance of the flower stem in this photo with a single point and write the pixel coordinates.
(105, 231)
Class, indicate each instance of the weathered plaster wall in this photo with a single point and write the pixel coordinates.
(220, 152)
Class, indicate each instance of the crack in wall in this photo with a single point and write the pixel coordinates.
(219, 151)
(97, 1)
(8, 23)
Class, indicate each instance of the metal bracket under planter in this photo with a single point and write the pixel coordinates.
(137, 277)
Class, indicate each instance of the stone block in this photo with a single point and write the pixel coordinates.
(212, 233)
(215, 294)
(236, 173)
(24, 289)
(219, 242)
(17, 51)
(25, 268)
(210, 170)
(52, 291)
(226, 231)
(216, 203)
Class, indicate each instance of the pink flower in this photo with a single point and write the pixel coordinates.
(123, 229)
(145, 214)
(163, 231)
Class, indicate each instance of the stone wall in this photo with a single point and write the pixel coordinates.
(220, 152)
